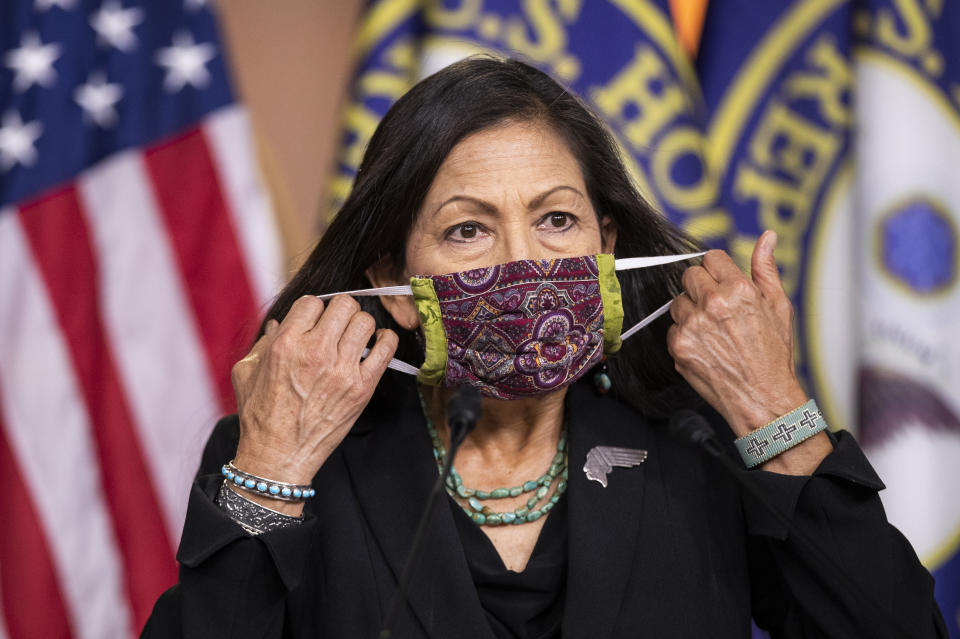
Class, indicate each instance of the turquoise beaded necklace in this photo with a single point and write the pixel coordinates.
(486, 516)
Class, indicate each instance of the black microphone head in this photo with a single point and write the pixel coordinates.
(465, 406)
(690, 427)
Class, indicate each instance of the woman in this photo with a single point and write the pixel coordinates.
(492, 163)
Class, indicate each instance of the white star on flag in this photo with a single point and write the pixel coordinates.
(98, 99)
(185, 62)
(114, 25)
(16, 141)
(194, 5)
(32, 63)
(46, 5)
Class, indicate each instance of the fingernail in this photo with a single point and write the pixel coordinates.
(770, 239)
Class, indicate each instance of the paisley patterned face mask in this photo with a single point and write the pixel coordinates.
(521, 328)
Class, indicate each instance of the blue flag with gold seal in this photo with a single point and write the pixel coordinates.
(621, 56)
(907, 242)
(834, 122)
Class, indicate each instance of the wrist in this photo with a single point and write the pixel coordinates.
(266, 491)
(803, 459)
(269, 462)
(764, 410)
(768, 447)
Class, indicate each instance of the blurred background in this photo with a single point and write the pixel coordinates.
(166, 164)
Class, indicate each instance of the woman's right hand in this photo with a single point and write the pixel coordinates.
(302, 387)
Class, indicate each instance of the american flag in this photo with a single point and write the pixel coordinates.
(137, 249)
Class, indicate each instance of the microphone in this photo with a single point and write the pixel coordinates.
(692, 428)
(463, 411)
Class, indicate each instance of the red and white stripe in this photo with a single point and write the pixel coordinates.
(125, 297)
(149, 323)
(50, 438)
(231, 145)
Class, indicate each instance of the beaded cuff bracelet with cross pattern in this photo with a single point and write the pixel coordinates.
(781, 434)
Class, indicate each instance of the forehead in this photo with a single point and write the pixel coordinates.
(511, 154)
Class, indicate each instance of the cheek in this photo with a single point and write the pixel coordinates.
(421, 250)
(582, 239)
(431, 253)
(407, 315)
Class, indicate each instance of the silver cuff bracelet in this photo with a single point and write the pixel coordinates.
(251, 516)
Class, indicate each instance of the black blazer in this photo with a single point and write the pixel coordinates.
(667, 549)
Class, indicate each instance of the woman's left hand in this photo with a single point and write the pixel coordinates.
(732, 339)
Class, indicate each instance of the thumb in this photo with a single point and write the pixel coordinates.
(763, 266)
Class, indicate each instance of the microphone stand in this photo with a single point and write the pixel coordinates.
(463, 411)
(693, 428)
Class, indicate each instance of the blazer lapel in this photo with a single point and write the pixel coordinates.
(392, 469)
(604, 522)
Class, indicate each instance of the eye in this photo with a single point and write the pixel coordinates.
(464, 232)
(557, 221)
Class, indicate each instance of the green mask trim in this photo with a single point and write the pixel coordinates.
(612, 303)
(428, 307)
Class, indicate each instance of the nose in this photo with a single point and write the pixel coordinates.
(518, 241)
(516, 245)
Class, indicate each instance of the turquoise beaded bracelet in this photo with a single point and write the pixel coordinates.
(266, 487)
(781, 434)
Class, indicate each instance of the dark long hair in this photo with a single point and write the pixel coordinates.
(404, 155)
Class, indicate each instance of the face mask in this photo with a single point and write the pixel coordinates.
(522, 328)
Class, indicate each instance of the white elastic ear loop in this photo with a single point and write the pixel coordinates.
(646, 321)
(628, 263)
(619, 265)
(395, 364)
(622, 264)
(403, 289)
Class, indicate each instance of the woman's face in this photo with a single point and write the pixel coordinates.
(507, 193)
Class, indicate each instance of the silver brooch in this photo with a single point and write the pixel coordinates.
(602, 459)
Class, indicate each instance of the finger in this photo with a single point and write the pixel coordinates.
(271, 327)
(261, 344)
(373, 367)
(721, 266)
(303, 315)
(672, 333)
(763, 266)
(242, 369)
(355, 336)
(697, 281)
(330, 328)
(681, 308)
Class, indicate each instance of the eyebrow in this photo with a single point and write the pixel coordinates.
(536, 202)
